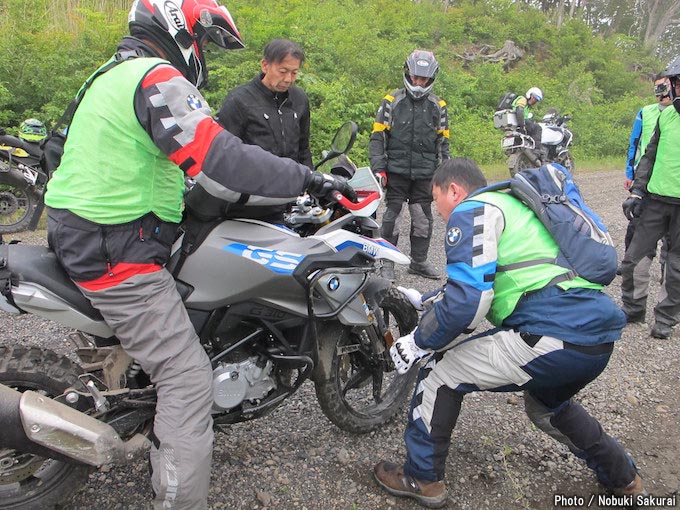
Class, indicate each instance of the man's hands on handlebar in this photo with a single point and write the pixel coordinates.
(324, 187)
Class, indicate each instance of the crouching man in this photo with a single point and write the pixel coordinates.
(553, 335)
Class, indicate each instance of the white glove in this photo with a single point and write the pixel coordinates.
(415, 297)
(405, 353)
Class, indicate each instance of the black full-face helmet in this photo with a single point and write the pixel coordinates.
(672, 72)
(423, 64)
(181, 28)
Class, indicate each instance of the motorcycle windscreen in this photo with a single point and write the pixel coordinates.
(369, 192)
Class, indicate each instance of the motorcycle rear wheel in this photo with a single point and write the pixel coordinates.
(29, 482)
(362, 390)
(567, 161)
(18, 202)
(517, 162)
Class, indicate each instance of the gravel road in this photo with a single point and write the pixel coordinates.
(296, 459)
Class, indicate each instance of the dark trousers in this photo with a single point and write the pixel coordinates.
(658, 219)
(418, 194)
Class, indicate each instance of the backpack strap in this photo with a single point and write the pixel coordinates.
(118, 58)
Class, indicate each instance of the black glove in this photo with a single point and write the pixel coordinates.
(323, 186)
(632, 206)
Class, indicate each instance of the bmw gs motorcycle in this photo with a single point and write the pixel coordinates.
(521, 149)
(272, 310)
(22, 183)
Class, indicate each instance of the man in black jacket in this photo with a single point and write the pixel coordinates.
(270, 111)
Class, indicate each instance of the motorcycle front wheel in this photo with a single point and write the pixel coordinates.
(567, 161)
(18, 202)
(29, 482)
(360, 389)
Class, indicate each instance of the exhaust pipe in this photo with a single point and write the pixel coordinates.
(36, 424)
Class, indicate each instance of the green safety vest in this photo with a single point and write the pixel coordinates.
(665, 178)
(650, 114)
(111, 171)
(523, 239)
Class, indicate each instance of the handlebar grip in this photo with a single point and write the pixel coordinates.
(348, 204)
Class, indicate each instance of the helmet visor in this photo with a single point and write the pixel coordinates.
(219, 27)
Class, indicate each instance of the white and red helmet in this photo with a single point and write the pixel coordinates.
(181, 28)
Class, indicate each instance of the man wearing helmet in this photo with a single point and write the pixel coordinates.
(655, 201)
(643, 127)
(520, 105)
(410, 138)
(115, 201)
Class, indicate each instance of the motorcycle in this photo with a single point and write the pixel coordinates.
(521, 148)
(271, 308)
(22, 184)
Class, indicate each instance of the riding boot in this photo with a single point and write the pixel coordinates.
(419, 264)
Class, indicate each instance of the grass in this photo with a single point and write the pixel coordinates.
(499, 171)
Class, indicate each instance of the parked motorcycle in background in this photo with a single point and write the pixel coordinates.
(22, 184)
(272, 309)
(520, 148)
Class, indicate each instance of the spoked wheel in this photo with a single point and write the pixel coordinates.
(517, 162)
(359, 388)
(567, 161)
(27, 481)
(18, 202)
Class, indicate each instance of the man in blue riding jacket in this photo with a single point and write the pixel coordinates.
(549, 340)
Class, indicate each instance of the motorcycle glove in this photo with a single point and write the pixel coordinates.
(405, 353)
(414, 297)
(324, 186)
(382, 179)
(632, 206)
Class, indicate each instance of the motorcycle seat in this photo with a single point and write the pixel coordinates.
(39, 265)
(33, 149)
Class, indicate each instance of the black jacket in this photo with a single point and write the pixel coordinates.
(410, 137)
(276, 121)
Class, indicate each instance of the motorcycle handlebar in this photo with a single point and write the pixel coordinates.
(348, 204)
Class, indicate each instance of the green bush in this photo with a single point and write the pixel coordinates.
(355, 53)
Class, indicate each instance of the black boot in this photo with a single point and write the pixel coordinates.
(419, 264)
(424, 269)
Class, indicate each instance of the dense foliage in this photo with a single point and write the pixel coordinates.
(355, 52)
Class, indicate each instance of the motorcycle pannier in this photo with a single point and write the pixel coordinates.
(504, 119)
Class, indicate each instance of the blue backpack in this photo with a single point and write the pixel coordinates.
(586, 248)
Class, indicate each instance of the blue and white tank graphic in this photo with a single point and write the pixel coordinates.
(278, 261)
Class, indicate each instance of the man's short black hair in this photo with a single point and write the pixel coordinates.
(278, 49)
(462, 171)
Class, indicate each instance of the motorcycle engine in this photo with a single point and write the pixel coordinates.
(234, 383)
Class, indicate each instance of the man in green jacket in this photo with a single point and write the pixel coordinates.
(115, 201)
(655, 202)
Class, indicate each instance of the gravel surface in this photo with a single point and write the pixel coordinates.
(296, 459)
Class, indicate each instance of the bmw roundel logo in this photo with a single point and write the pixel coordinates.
(333, 283)
(453, 236)
(194, 102)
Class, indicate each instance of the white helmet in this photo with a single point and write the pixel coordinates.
(536, 93)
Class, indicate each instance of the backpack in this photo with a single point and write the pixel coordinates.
(585, 246)
(506, 101)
